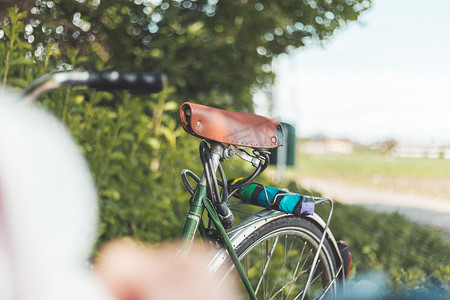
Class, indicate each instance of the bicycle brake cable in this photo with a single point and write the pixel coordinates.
(262, 156)
(184, 174)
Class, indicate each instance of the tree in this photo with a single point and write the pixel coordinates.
(214, 52)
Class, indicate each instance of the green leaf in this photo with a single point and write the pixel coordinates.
(126, 136)
(18, 82)
(170, 137)
(111, 193)
(6, 29)
(22, 61)
(170, 106)
(116, 155)
(153, 143)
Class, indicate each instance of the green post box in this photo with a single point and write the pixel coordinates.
(289, 146)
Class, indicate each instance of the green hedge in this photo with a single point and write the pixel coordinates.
(133, 143)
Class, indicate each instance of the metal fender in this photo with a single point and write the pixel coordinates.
(256, 221)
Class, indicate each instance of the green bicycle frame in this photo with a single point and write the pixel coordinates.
(198, 203)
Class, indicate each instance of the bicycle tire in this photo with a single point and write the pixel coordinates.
(295, 240)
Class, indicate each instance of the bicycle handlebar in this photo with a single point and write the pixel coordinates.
(129, 80)
(106, 80)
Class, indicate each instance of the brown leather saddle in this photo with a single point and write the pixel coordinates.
(231, 127)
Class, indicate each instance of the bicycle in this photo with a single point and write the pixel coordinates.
(285, 251)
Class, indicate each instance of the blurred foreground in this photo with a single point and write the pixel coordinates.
(48, 214)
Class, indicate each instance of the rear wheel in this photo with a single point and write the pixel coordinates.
(278, 258)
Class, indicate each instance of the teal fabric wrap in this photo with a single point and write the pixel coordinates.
(291, 203)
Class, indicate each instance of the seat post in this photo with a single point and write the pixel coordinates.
(218, 152)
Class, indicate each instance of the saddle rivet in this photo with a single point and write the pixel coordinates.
(274, 139)
(199, 123)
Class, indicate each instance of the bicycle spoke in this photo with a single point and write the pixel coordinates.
(269, 259)
(296, 269)
(304, 263)
(289, 282)
(316, 277)
(319, 295)
(301, 293)
(295, 279)
(280, 261)
(284, 263)
(325, 290)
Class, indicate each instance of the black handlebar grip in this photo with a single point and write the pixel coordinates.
(127, 80)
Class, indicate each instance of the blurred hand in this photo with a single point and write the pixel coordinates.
(133, 271)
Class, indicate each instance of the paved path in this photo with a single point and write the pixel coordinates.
(426, 210)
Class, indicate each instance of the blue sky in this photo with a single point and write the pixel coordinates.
(387, 76)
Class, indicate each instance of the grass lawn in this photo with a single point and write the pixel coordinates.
(381, 171)
(371, 164)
